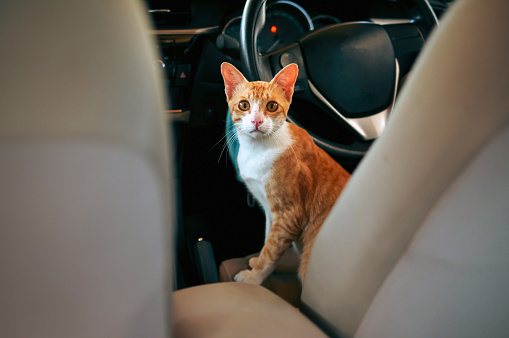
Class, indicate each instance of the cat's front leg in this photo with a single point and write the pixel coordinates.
(279, 239)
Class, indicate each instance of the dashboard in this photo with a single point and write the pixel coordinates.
(195, 37)
(286, 21)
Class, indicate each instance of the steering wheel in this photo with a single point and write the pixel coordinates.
(350, 72)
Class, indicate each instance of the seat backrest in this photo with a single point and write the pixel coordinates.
(417, 245)
(84, 203)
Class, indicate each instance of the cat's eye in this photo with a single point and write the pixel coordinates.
(272, 106)
(244, 105)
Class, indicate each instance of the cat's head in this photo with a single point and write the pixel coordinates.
(259, 108)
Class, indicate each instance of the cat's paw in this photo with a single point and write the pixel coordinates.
(252, 262)
(248, 276)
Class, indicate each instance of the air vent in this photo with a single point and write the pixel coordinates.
(169, 13)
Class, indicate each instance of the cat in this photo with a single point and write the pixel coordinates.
(295, 182)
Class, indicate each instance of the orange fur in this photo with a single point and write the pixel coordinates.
(303, 183)
(304, 186)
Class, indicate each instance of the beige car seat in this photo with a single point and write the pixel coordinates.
(84, 206)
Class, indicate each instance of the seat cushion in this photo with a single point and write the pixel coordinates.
(237, 310)
(284, 281)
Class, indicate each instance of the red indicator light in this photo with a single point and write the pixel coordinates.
(273, 29)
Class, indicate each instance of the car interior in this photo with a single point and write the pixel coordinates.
(122, 212)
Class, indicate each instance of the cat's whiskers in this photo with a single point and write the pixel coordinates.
(229, 138)
(233, 135)
(222, 138)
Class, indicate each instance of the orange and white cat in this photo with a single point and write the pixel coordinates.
(295, 181)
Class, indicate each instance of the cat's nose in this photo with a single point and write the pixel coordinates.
(257, 122)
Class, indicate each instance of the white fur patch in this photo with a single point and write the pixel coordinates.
(255, 159)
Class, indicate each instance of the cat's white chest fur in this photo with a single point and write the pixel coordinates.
(256, 158)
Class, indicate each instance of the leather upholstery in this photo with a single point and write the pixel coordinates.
(237, 310)
(452, 279)
(84, 200)
(396, 256)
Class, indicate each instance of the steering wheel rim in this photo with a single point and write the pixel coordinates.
(257, 67)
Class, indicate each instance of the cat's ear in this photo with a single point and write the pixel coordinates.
(286, 78)
(232, 78)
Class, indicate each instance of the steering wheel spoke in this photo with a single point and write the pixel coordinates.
(366, 128)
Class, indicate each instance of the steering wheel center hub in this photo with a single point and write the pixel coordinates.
(353, 66)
